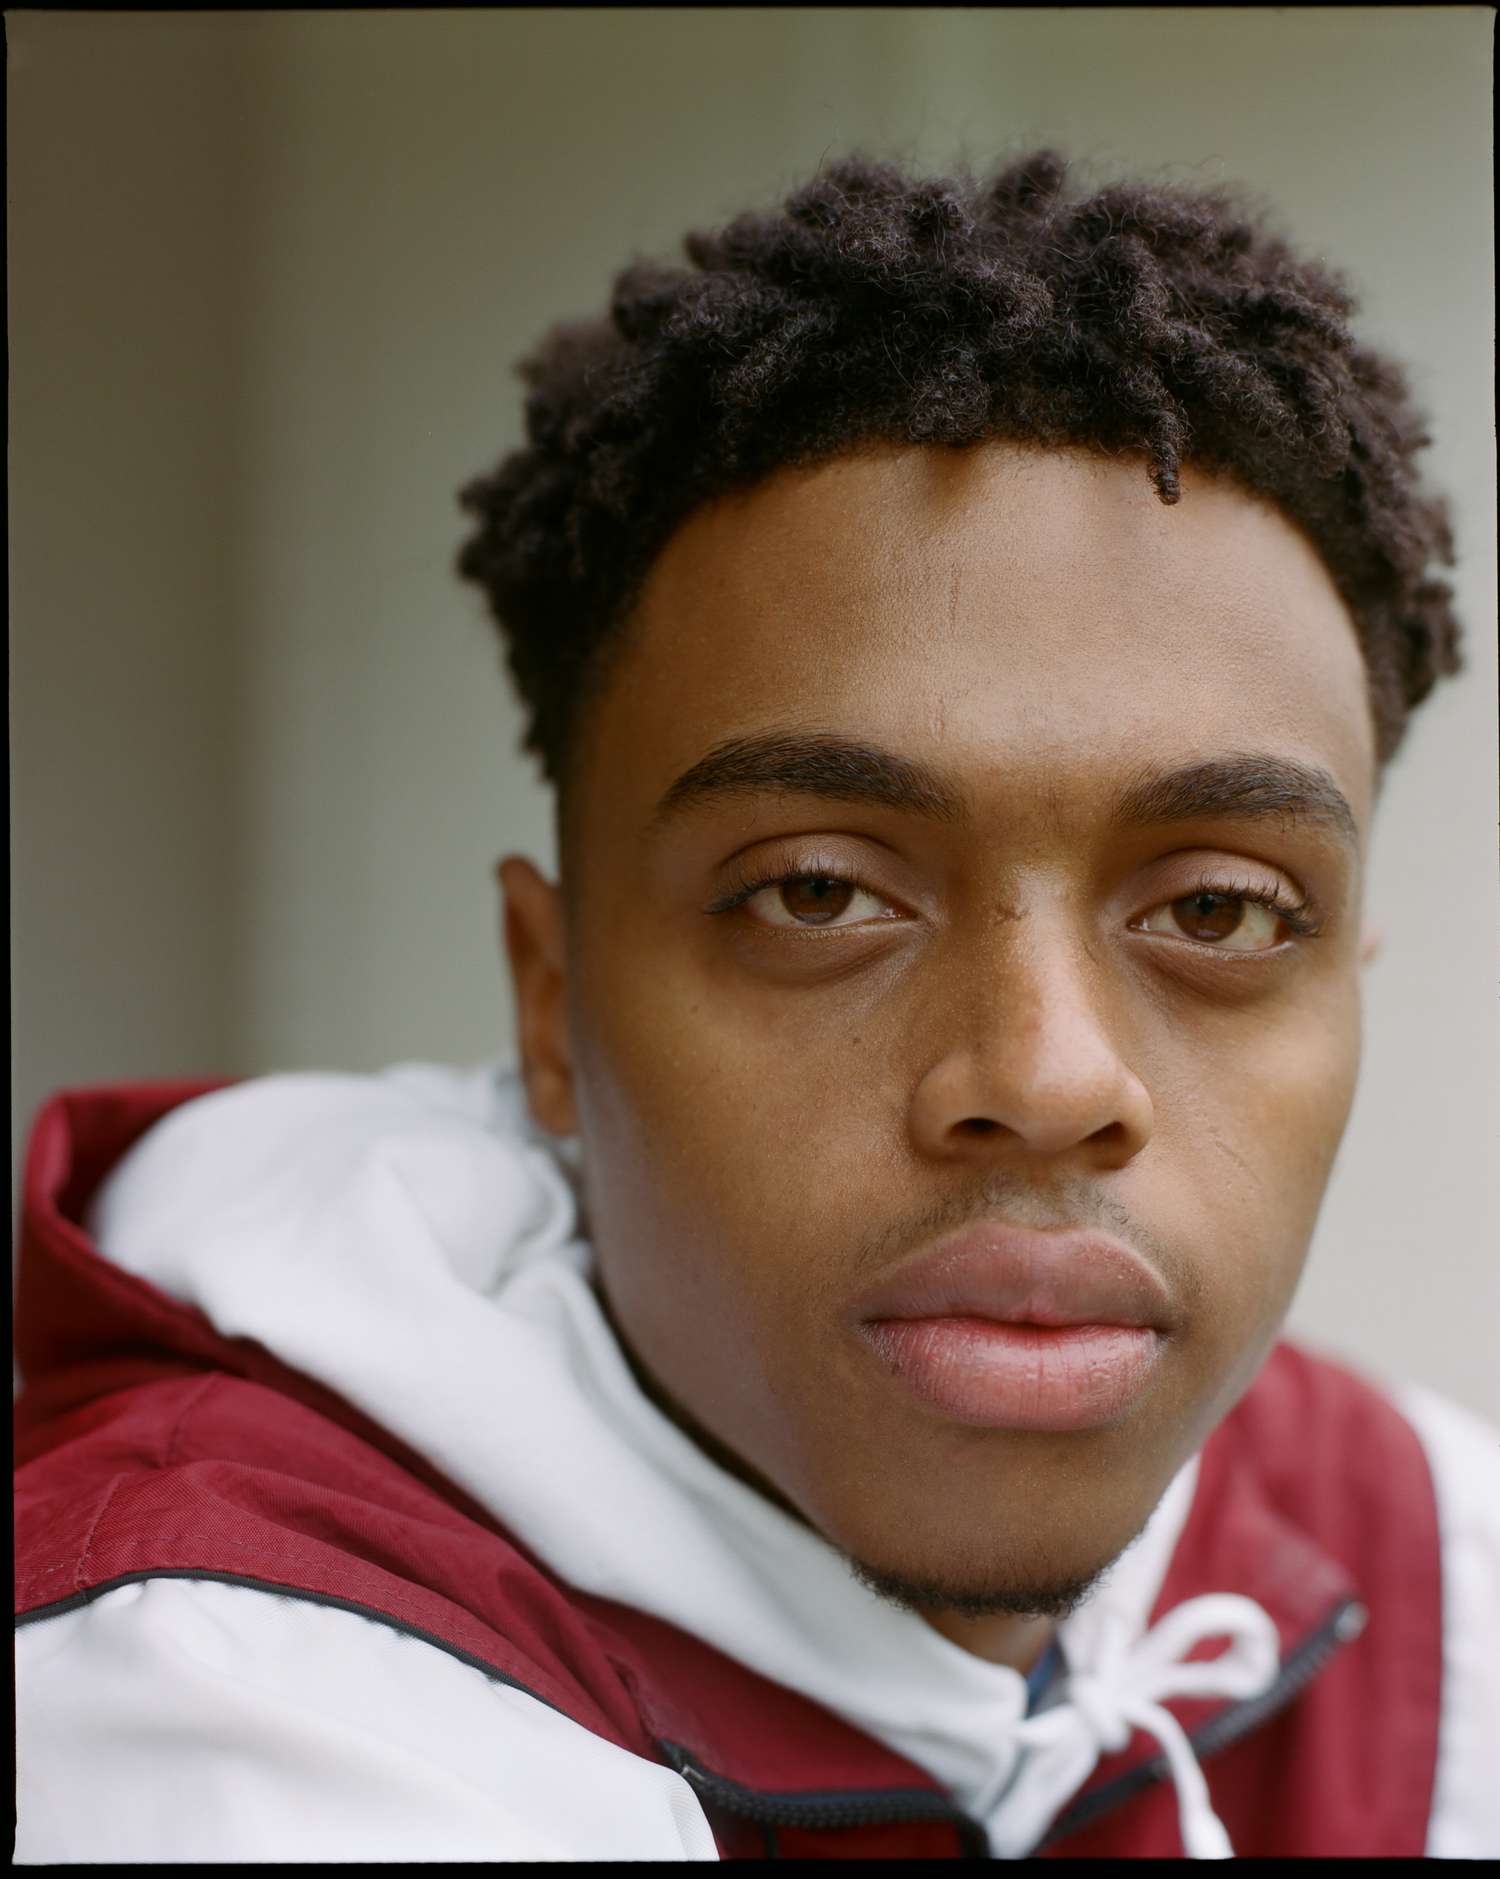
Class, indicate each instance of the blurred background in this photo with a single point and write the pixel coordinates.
(268, 275)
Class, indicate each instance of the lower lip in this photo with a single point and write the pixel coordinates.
(1019, 1376)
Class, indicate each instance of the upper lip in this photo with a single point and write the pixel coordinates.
(1016, 1276)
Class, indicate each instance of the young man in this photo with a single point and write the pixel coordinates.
(829, 1401)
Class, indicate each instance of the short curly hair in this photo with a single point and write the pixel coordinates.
(874, 304)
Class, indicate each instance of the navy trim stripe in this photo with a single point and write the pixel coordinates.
(79, 1599)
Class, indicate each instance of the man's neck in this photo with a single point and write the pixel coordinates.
(1019, 1642)
(1004, 1639)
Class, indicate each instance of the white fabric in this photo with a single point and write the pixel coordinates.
(178, 1719)
(354, 1225)
(1465, 1454)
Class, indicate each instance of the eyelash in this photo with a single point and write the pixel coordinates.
(745, 885)
(1298, 914)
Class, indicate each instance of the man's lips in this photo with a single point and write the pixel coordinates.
(1015, 1276)
(1007, 1328)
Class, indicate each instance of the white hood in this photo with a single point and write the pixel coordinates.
(408, 1239)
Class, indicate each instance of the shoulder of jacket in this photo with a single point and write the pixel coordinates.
(218, 1477)
(1311, 1422)
(1463, 1450)
(304, 1732)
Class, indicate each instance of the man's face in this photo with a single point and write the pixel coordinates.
(1016, 963)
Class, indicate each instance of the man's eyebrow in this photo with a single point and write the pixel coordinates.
(813, 763)
(1250, 784)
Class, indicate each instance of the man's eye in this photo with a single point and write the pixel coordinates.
(1235, 923)
(815, 900)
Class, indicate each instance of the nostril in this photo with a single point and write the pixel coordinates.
(978, 1125)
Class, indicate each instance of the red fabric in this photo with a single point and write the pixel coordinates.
(150, 1444)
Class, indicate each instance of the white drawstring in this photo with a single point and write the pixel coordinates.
(1125, 1688)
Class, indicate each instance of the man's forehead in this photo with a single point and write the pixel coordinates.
(889, 509)
(1059, 612)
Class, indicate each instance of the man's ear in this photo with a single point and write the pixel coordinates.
(1369, 943)
(533, 928)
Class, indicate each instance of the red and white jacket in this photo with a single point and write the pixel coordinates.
(343, 1532)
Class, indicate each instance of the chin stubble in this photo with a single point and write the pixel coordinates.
(1054, 1598)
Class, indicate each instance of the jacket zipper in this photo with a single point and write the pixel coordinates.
(1343, 1625)
(887, 1807)
(896, 1806)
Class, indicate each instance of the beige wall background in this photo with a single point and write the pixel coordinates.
(268, 275)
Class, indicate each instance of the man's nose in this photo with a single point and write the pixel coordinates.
(1029, 1060)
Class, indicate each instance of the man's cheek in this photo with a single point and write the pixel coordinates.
(1257, 1213)
(1307, 1088)
(717, 1077)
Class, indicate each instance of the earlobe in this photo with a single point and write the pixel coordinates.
(532, 923)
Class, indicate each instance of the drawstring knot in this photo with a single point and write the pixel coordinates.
(1126, 1686)
(1100, 1708)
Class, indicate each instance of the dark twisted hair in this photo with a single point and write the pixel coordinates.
(877, 305)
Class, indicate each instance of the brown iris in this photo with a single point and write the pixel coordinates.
(813, 899)
(1208, 916)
